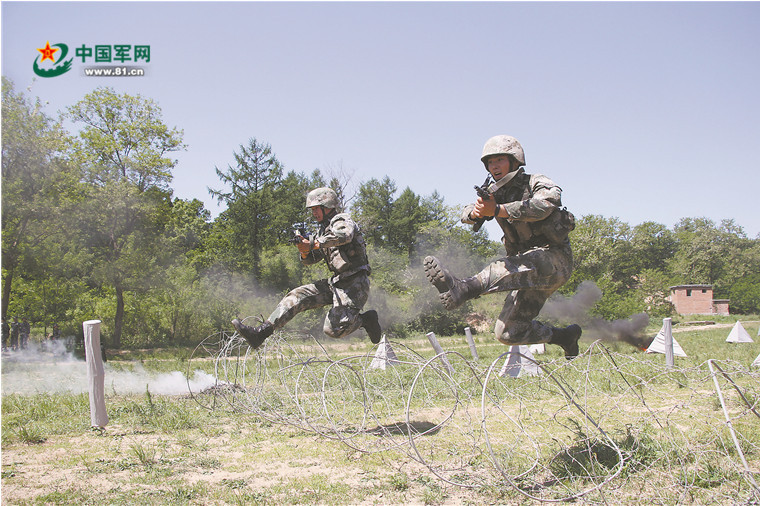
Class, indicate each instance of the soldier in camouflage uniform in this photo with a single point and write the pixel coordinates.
(528, 209)
(340, 243)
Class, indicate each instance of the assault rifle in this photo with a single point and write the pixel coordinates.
(484, 193)
(299, 233)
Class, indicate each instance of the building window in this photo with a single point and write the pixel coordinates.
(688, 293)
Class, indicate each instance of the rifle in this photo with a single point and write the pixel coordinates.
(484, 193)
(299, 233)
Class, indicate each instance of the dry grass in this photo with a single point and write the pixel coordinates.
(535, 440)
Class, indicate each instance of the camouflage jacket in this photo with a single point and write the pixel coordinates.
(341, 245)
(531, 201)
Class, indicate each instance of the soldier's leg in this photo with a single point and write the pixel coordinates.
(540, 268)
(516, 323)
(345, 317)
(311, 296)
(299, 299)
(533, 276)
(453, 291)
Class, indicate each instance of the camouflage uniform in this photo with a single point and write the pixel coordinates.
(538, 259)
(343, 249)
(535, 266)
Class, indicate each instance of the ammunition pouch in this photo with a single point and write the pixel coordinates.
(557, 226)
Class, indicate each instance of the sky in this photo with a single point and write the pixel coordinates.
(640, 111)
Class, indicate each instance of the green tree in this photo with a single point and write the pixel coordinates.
(373, 208)
(652, 244)
(406, 218)
(123, 150)
(33, 178)
(601, 248)
(707, 253)
(745, 295)
(248, 223)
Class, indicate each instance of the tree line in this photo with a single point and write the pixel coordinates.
(91, 229)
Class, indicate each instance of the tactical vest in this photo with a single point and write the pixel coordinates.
(349, 258)
(521, 236)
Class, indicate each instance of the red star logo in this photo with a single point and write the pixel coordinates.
(47, 52)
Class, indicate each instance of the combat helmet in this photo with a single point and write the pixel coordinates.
(325, 197)
(503, 145)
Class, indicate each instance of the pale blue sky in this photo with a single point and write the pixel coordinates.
(645, 111)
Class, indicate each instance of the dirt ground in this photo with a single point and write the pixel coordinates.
(87, 468)
(240, 461)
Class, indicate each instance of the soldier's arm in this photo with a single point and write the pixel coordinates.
(466, 216)
(547, 196)
(340, 232)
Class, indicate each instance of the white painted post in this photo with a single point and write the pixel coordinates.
(96, 373)
(439, 351)
(668, 332)
(471, 342)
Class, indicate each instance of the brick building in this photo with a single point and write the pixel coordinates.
(696, 299)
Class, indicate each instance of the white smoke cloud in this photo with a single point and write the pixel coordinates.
(52, 369)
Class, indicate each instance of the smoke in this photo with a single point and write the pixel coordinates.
(51, 368)
(576, 309)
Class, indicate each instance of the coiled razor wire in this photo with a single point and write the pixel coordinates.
(574, 430)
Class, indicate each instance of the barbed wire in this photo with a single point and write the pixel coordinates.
(605, 423)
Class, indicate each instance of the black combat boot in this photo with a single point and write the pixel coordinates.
(372, 326)
(254, 335)
(567, 338)
(453, 291)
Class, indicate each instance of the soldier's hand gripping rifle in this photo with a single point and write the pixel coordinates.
(299, 233)
(485, 194)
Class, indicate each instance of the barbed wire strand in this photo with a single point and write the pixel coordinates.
(570, 430)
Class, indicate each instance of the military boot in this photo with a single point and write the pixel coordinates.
(372, 326)
(453, 291)
(254, 335)
(567, 338)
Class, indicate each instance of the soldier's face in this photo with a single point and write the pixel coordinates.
(318, 212)
(498, 166)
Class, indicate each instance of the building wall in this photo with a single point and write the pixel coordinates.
(720, 306)
(692, 299)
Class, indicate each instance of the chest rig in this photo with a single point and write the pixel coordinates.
(521, 236)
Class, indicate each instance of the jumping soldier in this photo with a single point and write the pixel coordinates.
(340, 243)
(539, 260)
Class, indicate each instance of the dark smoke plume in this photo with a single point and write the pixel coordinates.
(576, 309)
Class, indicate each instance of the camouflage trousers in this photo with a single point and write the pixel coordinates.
(347, 297)
(530, 278)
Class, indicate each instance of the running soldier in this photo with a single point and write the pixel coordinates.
(24, 330)
(340, 243)
(539, 260)
(15, 326)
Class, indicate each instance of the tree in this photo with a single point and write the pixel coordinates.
(250, 199)
(33, 179)
(601, 248)
(373, 207)
(709, 254)
(406, 219)
(262, 207)
(122, 151)
(652, 244)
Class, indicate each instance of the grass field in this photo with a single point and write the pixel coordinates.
(614, 425)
